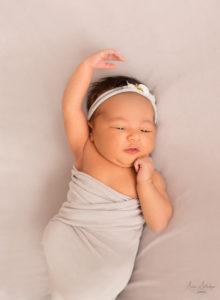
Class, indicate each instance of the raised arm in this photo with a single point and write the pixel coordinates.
(75, 120)
(77, 87)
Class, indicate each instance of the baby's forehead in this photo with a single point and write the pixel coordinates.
(126, 101)
(127, 114)
(112, 117)
(119, 106)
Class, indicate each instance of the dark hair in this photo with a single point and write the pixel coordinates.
(104, 84)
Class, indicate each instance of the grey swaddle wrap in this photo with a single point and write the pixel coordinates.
(91, 243)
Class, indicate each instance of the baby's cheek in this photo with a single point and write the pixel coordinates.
(118, 140)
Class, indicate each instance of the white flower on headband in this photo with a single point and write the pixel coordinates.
(144, 89)
(140, 87)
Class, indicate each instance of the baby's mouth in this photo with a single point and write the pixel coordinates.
(131, 150)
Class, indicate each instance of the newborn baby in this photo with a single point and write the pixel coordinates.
(91, 243)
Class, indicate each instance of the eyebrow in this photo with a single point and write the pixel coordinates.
(123, 119)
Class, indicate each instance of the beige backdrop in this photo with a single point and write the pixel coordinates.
(173, 46)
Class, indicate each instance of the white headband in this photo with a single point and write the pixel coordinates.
(137, 88)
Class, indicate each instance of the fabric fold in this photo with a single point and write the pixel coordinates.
(91, 243)
(91, 203)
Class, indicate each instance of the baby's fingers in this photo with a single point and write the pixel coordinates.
(136, 165)
(110, 66)
(112, 54)
(98, 59)
(114, 57)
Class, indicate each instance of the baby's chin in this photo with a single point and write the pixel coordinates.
(129, 162)
(125, 163)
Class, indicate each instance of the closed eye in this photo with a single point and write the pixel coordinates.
(144, 130)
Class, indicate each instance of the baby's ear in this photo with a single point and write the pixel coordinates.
(90, 125)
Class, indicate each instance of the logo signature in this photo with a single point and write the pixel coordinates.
(201, 288)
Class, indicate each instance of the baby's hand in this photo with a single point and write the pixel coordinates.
(145, 168)
(97, 60)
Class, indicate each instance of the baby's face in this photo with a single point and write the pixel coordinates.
(136, 129)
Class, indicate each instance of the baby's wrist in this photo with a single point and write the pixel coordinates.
(87, 64)
(145, 181)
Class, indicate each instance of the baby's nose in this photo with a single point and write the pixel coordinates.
(134, 135)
